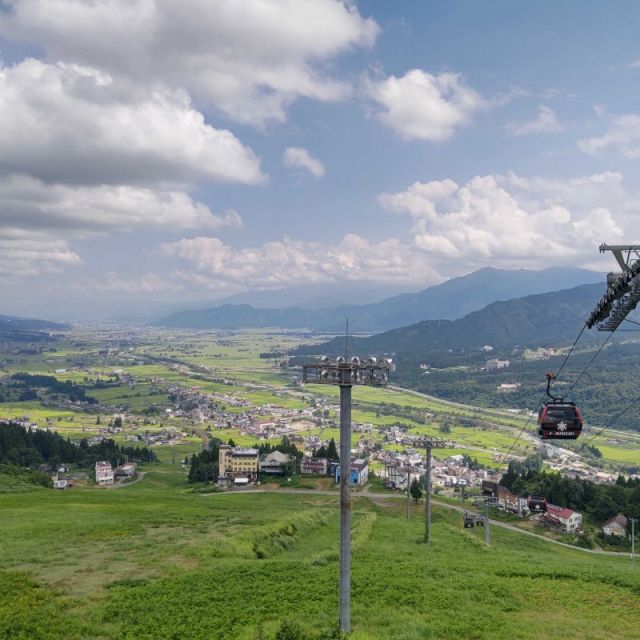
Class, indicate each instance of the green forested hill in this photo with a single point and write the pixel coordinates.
(27, 329)
(546, 319)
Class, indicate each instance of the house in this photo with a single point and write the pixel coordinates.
(562, 518)
(275, 463)
(616, 526)
(237, 462)
(512, 503)
(127, 470)
(359, 472)
(495, 364)
(314, 466)
(104, 473)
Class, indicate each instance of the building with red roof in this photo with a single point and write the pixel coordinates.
(562, 518)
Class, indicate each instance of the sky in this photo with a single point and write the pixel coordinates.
(177, 151)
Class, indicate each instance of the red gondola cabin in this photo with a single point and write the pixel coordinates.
(559, 420)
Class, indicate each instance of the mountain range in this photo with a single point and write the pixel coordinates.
(27, 329)
(547, 319)
(450, 300)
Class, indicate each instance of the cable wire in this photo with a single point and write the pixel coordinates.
(564, 362)
(608, 425)
(595, 355)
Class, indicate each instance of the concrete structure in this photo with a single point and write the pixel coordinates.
(359, 472)
(104, 473)
(127, 470)
(616, 526)
(237, 462)
(314, 466)
(275, 463)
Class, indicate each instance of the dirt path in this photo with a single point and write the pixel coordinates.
(121, 484)
(381, 498)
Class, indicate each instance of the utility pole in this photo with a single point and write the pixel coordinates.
(429, 444)
(633, 540)
(487, 535)
(345, 500)
(427, 495)
(345, 373)
(408, 491)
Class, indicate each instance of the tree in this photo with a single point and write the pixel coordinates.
(415, 490)
(117, 422)
(332, 451)
(444, 428)
(98, 420)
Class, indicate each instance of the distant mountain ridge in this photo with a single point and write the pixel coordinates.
(25, 329)
(450, 300)
(547, 319)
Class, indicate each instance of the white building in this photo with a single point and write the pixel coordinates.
(568, 520)
(104, 473)
(495, 364)
(616, 526)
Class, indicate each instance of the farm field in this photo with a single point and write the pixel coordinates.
(157, 560)
(230, 366)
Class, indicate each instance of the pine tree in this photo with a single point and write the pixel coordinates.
(332, 451)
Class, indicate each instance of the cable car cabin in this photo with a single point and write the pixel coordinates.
(559, 421)
(479, 520)
(537, 504)
(469, 520)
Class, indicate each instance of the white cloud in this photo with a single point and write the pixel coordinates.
(274, 264)
(422, 106)
(31, 253)
(545, 122)
(250, 59)
(73, 124)
(29, 203)
(623, 135)
(146, 283)
(299, 158)
(512, 221)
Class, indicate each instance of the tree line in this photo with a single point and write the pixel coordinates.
(29, 448)
(599, 501)
(25, 386)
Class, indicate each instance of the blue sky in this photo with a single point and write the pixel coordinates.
(181, 151)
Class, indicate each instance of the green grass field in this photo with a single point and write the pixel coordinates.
(157, 560)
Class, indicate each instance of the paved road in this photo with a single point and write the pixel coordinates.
(380, 497)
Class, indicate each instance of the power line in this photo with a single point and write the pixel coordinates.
(618, 415)
(595, 355)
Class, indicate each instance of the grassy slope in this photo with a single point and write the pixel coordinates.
(154, 560)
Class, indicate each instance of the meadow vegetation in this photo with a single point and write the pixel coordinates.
(158, 560)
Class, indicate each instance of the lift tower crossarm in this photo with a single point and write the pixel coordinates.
(618, 249)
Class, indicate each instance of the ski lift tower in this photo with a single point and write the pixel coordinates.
(429, 444)
(623, 289)
(345, 373)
